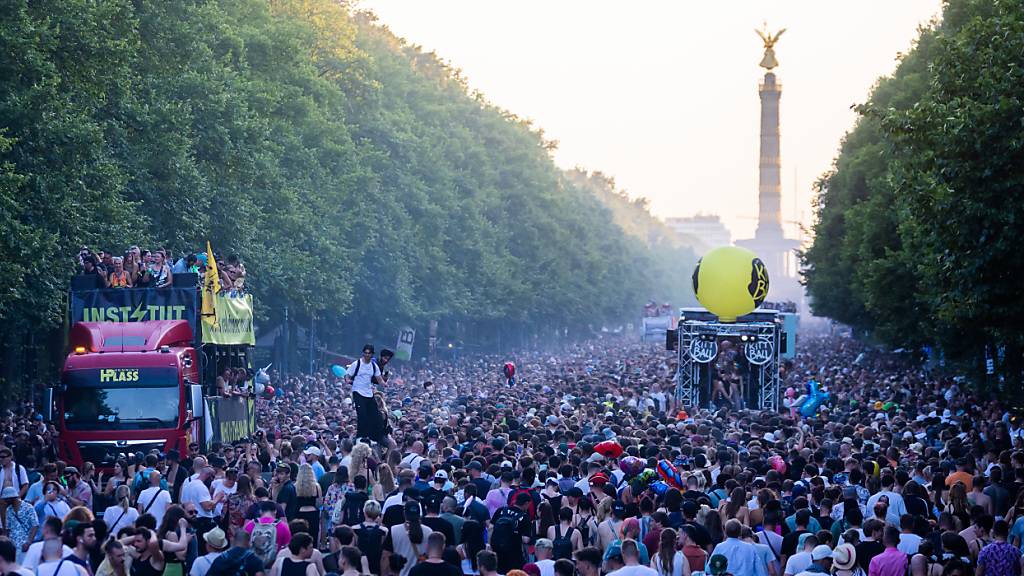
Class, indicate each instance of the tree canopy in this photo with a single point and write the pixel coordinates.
(917, 221)
(358, 177)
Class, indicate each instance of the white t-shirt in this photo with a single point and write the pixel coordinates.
(17, 479)
(159, 505)
(547, 567)
(114, 514)
(68, 568)
(637, 570)
(35, 554)
(362, 383)
(909, 543)
(798, 562)
(22, 571)
(196, 492)
(218, 486)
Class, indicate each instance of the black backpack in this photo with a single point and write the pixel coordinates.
(352, 514)
(562, 544)
(371, 544)
(505, 536)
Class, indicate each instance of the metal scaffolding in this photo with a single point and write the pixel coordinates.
(699, 334)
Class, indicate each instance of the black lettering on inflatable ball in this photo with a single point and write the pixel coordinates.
(758, 286)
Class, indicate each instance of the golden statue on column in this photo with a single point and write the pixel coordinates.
(769, 60)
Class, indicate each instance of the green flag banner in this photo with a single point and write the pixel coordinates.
(234, 322)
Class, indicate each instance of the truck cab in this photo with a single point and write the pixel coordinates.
(126, 388)
(142, 370)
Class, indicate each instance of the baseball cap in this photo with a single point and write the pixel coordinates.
(618, 508)
(441, 475)
(690, 508)
(820, 552)
(717, 565)
(474, 465)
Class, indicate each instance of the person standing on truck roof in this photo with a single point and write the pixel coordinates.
(362, 374)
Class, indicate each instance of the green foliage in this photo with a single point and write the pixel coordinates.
(357, 176)
(918, 222)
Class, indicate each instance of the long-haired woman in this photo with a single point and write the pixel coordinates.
(385, 483)
(121, 514)
(239, 502)
(472, 543)
(735, 506)
(308, 496)
(409, 539)
(173, 538)
(667, 560)
(958, 505)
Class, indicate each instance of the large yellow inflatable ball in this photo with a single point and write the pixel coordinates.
(730, 281)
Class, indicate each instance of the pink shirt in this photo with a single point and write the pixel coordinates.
(284, 535)
(891, 562)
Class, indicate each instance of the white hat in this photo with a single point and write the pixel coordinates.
(820, 552)
(312, 450)
(441, 475)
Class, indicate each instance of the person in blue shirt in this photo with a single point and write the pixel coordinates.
(742, 556)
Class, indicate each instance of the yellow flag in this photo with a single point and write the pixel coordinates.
(211, 287)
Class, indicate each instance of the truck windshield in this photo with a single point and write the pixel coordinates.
(121, 399)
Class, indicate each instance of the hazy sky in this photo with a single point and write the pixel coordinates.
(663, 95)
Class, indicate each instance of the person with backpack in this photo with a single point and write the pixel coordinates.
(239, 560)
(370, 535)
(268, 534)
(565, 539)
(349, 511)
(362, 375)
(512, 530)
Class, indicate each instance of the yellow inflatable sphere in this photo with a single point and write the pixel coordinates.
(730, 282)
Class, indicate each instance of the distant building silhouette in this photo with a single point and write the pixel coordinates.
(706, 228)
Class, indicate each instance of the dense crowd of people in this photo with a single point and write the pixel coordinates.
(140, 268)
(581, 464)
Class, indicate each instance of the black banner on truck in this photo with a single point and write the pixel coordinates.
(135, 305)
(232, 418)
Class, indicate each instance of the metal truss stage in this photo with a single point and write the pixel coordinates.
(698, 338)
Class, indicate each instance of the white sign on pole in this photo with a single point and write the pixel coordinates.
(406, 336)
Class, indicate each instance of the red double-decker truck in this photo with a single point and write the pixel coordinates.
(140, 371)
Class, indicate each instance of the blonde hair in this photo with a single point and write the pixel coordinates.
(386, 478)
(305, 482)
(360, 453)
(123, 495)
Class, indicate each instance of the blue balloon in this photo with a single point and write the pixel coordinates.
(815, 398)
(660, 488)
(338, 371)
